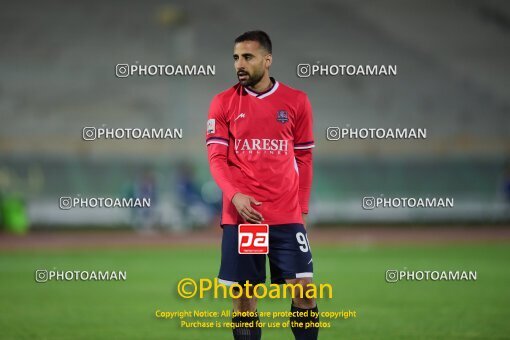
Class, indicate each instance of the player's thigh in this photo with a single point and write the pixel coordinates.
(290, 255)
(239, 268)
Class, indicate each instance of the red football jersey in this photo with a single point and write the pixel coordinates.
(262, 132)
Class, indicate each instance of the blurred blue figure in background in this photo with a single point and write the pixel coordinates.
(194, 203)
(145, 218)
(506, 184)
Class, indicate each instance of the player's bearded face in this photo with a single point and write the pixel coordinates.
(250, 78)
(249, 62)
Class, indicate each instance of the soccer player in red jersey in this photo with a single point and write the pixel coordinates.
(259, 141)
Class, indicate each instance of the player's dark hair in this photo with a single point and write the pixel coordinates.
(260, 36)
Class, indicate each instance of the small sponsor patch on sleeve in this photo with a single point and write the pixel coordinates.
(211, 126)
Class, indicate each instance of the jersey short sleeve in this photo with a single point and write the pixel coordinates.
(303, 130)
(217, 127)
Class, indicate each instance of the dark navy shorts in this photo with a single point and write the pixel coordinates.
(289, 256)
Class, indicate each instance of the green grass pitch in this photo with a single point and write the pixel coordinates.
(125, 310)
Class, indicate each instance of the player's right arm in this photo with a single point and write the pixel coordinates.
(217, 140)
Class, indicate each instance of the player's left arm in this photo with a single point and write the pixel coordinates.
(303, 145)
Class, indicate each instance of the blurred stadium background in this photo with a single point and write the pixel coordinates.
(57, 67)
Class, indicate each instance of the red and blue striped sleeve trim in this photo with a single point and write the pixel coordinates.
(216, 140)
(305, 145)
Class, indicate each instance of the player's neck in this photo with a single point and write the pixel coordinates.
(263, 85)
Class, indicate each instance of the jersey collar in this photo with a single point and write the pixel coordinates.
(266, 93)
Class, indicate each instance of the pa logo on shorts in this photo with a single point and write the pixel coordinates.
(253, 238)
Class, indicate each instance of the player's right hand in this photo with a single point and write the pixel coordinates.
(243, 205)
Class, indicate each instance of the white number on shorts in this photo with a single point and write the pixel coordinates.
(303, 241)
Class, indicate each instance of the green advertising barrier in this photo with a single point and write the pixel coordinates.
(13, 214)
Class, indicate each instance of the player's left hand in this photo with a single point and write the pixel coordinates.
(243, 205)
